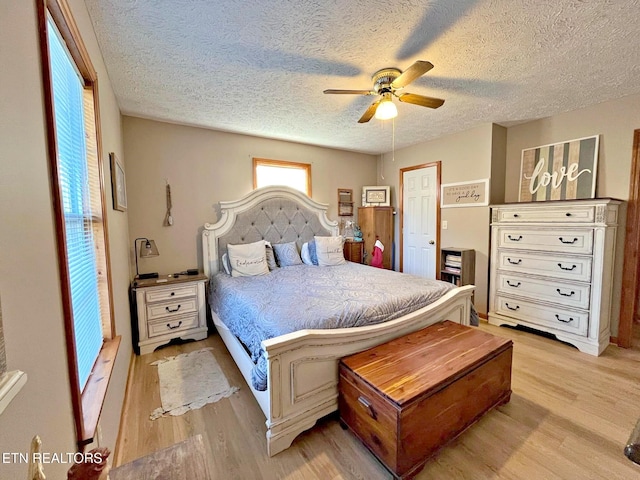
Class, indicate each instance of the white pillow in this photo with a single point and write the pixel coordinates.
(304, 253)
(329, 251)
(248, 260)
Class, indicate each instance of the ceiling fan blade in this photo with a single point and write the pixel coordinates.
(351, 92)
(421, 100)
(368, 115)
(416, 70)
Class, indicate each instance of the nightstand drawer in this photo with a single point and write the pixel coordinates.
(172, 325)
(171, 293)
(171, 309)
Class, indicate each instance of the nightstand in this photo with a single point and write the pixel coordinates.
(354, 251)
(166, 308)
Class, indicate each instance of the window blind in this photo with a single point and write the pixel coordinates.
(75, 182)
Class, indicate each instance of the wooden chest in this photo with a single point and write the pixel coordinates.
(406, 398)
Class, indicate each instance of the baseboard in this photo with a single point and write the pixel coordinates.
(116, 459)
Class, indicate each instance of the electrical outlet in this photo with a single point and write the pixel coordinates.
(445, 225)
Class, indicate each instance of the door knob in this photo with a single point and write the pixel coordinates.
(431, 242)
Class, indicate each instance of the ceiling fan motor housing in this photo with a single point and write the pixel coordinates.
(382, 79)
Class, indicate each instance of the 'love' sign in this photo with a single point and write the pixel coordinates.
(562, 171)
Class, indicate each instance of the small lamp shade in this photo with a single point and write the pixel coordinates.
(148, 249)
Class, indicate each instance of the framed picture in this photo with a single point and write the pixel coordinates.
(560, 171)
(376, 196)
(118, 187)
(465, 194)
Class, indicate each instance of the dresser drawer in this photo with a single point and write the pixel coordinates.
(558, 318)
(546, 214)
(162, 294)
(557, 266)
(172, 325)
(171, 309)
(565, 240)
(568, 294)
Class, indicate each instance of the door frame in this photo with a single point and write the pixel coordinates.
(630, 270)
(438, 166)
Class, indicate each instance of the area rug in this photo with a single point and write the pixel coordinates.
(190, 381)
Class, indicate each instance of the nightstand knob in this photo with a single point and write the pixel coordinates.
(173, 293)
(174, 310)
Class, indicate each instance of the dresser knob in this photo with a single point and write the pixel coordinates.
(173, 293)
(173, 327)
(568, 214)
(517, 307)
(174, 310)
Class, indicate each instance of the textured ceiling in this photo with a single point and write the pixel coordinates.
(259, 67)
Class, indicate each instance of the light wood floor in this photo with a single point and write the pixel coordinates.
(569, 417)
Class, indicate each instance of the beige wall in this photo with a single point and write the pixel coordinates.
(204, 167)
(29, 284)
(465, 156)
(615, 122)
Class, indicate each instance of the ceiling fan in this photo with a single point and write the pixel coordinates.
(388, 83)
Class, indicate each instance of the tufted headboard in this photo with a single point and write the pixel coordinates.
(276, 214)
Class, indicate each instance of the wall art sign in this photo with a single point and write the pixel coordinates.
(465, 194)
(560, 171)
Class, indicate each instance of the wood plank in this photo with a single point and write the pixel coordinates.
(551, 428)
(183, 461)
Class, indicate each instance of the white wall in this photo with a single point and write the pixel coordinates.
(29, 282)
(204, 167)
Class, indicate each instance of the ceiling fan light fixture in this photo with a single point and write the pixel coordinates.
(386, 109)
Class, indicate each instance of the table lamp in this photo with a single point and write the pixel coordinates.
(148, 249)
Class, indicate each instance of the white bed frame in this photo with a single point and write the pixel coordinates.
(302, 376)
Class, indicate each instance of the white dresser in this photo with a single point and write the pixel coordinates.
(552, 268)
(169, 308)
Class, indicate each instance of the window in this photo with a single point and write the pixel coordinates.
(277, 172)
(70, 86)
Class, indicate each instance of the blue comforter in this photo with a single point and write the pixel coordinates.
(310, 297)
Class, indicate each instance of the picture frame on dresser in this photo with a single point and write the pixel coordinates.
(376, 196)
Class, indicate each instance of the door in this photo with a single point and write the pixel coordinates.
(420, 187)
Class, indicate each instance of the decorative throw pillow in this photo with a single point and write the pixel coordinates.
(304, 253)
(248, 259)
(271, 258)
(330, 251)
(312, 252)
(287, 254)
(225, 263)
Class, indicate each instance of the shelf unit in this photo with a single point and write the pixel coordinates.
(458, 266)
(345, 202)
